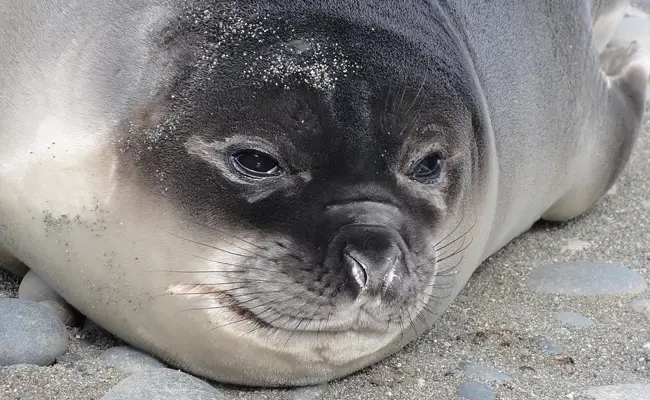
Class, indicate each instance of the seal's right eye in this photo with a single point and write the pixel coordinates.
(255, 164)
(428, 169)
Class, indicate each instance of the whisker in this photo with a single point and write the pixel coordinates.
(401, 328)
(222, 291)
(458, 238)
(417, 95)
(462, 218)
(425, 306)
(229, 323)
(246, 280)
(412, 120)
(410, 319)
(395, 104)
(234, 265)
(258, 315)
(383, 335)
(459, 251)
(473, 224)
(440, 286)
(234, 237)
(208, 245)
(401, 100)
(450, 271)
(442, 254)
(293, 331)
(228, 305)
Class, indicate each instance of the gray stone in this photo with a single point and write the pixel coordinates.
(33, 288)
(482, 372)
(630, 29)
(63, 311)
(30, 333)
(584, 278)
(573, 318)
(619, 392)
(163, 384)
(550, 347)
(307, 393)
(128, 360)
(641, 305)
(475, 391)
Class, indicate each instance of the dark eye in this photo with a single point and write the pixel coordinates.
(428, 169)
(256, 164)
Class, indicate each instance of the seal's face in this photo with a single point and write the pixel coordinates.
(320, 171)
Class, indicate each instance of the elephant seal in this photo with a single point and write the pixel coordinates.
(281, 193)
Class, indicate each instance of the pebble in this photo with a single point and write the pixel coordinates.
(583, 278)
(573, 318)
(550, 347)
(33, 288)
(129, 360)
(64, 312)
(641, 305)
(631, 11)
(475, 391)
(619, 392)
(30, 333)
(482, 372)
(163, 384)
(576, 245)
(307, 393)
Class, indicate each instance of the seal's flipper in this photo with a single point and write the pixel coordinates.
(617, 117)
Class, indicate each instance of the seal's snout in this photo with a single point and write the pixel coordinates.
(371, 259)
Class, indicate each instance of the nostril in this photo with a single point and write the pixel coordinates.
(356, 270)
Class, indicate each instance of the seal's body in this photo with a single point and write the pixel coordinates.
(282, 192)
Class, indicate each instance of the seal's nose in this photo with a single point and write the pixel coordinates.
(371, 260)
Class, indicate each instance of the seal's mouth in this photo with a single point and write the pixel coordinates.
(369, 313)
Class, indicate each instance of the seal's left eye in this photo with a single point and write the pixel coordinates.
(428, 169)
(256, 164)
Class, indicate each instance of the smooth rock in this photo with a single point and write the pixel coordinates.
(631, 11)
(619, 392)
(550, 347)
(576, 245)
(475, 391)
(641, 305)
(585, 278)
(630, 29)
(573, 318)
(163, 384)
(129, 360)
(63, 311)
(482, 372)
(30, 333)
(307, 393)
(33, 288)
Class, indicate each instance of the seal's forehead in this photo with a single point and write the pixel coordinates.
(317, 44)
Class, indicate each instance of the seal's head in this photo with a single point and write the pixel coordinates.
(322, 166)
